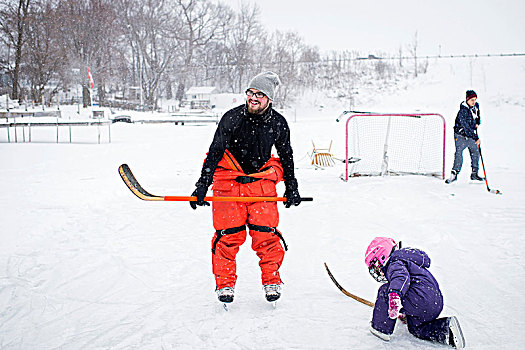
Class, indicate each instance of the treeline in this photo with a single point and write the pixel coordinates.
(164, 47)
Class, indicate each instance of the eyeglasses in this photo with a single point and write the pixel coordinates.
(258, 94)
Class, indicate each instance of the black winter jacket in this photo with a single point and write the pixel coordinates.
(250, 138)
(466, 122)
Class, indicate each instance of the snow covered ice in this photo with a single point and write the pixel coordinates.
(84, 264)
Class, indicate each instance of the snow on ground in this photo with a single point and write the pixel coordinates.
(84, 264)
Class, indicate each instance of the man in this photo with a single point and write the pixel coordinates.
(239, 163)
(465, 136)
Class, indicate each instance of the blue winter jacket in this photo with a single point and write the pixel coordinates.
(407, 274)
(466, 121)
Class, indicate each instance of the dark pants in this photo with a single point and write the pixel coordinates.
(421, 316)
(463, 142)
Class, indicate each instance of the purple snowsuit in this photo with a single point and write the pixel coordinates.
(407, 275)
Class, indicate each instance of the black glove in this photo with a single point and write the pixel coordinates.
(200, 193)
(292, 198)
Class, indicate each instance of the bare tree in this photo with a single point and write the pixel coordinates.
(90, 32)
(13, 23)
(287, 49)
(44, 53)
(217, 68)
(242, 44)
(158, 44)
(203, 21)
(309, 63)
(412, 48)
(152, 38)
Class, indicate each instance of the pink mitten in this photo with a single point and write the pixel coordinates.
(394, 305)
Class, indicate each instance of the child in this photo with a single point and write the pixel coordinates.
(410, 291)
(466, 136)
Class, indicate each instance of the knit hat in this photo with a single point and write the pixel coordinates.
(470, 94)
(266, 82)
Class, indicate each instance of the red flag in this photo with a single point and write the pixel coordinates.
(90, 77)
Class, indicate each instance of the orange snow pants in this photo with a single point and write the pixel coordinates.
(231, 221)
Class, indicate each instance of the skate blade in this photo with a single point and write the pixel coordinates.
(380, 335)
(457, 333)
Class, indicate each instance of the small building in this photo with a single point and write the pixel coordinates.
(133, 93)
(225, 101)
(199, 97)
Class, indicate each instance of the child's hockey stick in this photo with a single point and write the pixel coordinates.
(485, 175)
(345, 292)
(135, 187)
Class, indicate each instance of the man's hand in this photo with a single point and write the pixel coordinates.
(200, 193)
(292, 198)
(478, 142)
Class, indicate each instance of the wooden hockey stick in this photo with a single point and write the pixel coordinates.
(345, 292)
(485, 174)
(135, 187)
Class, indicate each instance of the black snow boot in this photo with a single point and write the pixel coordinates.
(453, 177)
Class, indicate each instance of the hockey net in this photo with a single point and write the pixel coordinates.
(395, 144)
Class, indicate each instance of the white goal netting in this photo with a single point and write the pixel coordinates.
(395, 144)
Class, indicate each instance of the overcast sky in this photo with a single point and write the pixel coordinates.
(452, 26)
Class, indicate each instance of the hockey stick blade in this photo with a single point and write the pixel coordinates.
(135, 187)
(495, 191)
(351, 160)
(345, 292)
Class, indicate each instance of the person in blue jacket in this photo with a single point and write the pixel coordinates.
(410, 292)
(465, 136)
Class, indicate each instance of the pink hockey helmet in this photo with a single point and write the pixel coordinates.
(377, 254)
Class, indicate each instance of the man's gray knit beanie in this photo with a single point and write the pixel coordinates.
(266, 82)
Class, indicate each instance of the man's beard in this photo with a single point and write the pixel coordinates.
(258, 108)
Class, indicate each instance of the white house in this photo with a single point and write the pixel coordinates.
(199, 97)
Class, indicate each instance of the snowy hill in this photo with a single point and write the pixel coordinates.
(84, 264)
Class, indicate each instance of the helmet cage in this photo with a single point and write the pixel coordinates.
(376, 272)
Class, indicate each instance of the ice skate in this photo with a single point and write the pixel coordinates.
(272, 291)
(453, 177)
(225, 294)
(476, 177)
(381, 335)
(455, 335)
